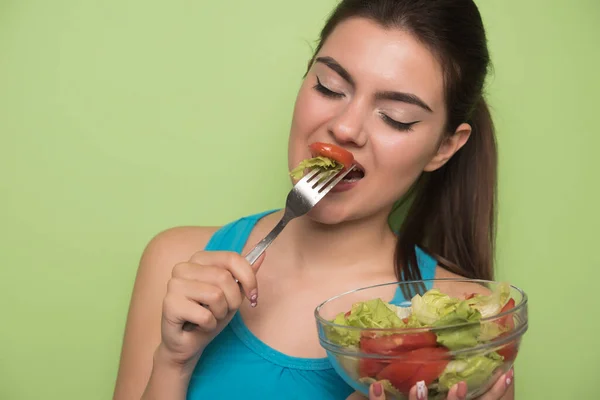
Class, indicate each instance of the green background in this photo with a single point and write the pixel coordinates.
(120, 118)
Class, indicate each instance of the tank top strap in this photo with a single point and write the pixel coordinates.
(427, 264)
(234, 235)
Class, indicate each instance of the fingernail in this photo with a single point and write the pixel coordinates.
(377, 389)
(461, 392)
(509, 377)
(421, 390)
(253, 295)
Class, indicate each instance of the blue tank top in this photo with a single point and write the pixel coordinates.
(238, 365)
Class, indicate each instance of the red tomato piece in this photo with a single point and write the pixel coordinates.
(401, 374)
(424, 364)
(399, 342)
(370, 367)
(507, 321)
(509, 351)
(332, 151)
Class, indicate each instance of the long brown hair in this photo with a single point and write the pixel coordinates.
(450, 212)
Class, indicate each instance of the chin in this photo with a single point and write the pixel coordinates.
(330, 213)
(338, 210)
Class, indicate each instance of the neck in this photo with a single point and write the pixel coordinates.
(351, 243)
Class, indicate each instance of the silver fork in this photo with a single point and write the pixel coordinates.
(301, 199)
(303, 196)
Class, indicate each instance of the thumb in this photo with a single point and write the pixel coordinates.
(376, 391)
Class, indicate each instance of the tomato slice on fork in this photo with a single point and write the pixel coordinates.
(332, 151)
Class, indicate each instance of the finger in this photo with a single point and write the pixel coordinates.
(178, 310)
(203, 293)
(502, 385)
(213, 275)
(376, 391)
(458, 392)
(237, 265)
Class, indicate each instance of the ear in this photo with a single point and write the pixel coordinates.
(449, 146)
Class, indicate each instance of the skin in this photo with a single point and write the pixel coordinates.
(298, 271)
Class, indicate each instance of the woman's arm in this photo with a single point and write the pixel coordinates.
(167, 380)
(142, 369)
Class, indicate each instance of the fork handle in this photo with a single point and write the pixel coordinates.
(260, 248)
(253, 255)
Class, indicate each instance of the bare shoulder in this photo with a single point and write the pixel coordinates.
(176, 244)
(142, 329)
(457, 288)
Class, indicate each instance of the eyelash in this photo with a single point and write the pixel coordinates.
(401, 126)
(327, 92)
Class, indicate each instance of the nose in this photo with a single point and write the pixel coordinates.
(347, 127)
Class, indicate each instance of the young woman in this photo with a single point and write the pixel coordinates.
(399, 84)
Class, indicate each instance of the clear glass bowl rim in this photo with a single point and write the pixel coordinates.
(518, 306)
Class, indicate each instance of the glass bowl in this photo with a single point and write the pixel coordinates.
(450, 330)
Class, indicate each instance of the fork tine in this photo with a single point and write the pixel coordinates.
(328, 184)
(317, 181)
(311, 174)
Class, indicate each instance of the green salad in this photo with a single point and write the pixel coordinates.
(425, 354)
(329, 165)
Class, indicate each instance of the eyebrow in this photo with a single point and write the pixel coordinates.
(334, 65)
(408, 98)
(405, 98)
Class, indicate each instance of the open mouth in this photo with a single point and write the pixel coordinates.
(355, 175)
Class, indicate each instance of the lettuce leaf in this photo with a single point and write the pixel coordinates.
(461, 313)
(491, 305)
(342, 336)
(324, 163)
(374, 314)
(413, 322)
(490, 330)
(432, 306)
(459, 337)
(475, 371)
(401, 312)
(437, 309)
(406, 315)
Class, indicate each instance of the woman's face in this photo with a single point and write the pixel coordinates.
(378, 93)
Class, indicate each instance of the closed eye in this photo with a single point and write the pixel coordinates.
(401, 126)
(325, 91)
